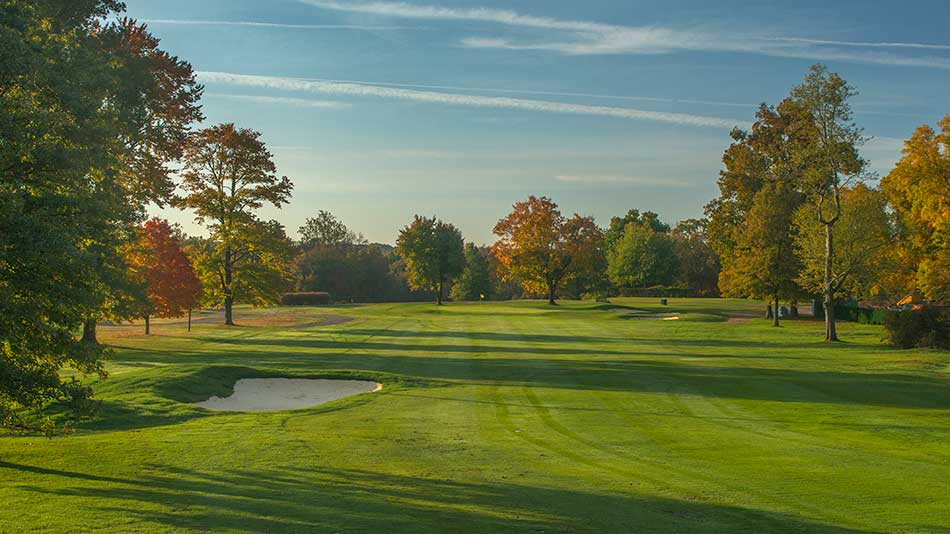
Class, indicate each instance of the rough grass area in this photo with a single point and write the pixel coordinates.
(503, 417)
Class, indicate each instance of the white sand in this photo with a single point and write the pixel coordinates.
(276, 394)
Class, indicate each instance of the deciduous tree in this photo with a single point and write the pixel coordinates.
(259, 263)
(542, 250)
(325, 230)
(63, 204)
(153, 101)
(765, 265)
(919, 190)
(475, 281)
(697, 263)
(756, 160)
(172, 287)
(228, 176)
(433, 251)
(826, 148)
(642, 257)
(864, 236)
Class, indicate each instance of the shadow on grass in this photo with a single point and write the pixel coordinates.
(635, 372)
(327, 499)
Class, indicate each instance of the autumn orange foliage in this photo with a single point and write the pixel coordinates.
(543, 250)
(172, 286)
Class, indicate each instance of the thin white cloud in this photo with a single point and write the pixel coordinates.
(499, 16)
(575, 37)
(285, 101)
(253, 24)
(358, 90)
(544, 93)
(620, 180)
(883, 153)
(277, 100)
(863, 44)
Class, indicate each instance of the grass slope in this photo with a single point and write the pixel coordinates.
(513, 416)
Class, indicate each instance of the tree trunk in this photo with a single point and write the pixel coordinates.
(793, 311)
(438, 298)
(775, 316)
(89, 331)
(551, 293)
(147, 325)
(189, 319)
(768, 310)
(831, 333)
(228, 297)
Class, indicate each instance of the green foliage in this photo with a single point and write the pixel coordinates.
(862, 315)
(434, 253)
(864, 235)
(475, 281)
(825, 144)
(697, 263)
(927, 327)
(228, 175)
(85, 120)
(336, 260)
(352, 273)
(325, 230)
(765, 265)
(251, 267)
(642, 257)
(618, 225)
(757, 197)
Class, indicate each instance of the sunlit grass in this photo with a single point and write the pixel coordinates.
(510, 416)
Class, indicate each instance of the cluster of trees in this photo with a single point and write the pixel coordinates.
(798, 215)
(539, 252)
(94, 117)
(644, 252)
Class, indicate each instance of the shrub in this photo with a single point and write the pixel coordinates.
(862, 315)
(928, 327)
(309, 298)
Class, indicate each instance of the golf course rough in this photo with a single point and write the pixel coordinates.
(499, 417)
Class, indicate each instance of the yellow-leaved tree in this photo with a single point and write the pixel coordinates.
(919, 191)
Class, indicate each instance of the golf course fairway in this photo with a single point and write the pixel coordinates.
(501, 417)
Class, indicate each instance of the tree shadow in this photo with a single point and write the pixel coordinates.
(308, 499)
(651, 372)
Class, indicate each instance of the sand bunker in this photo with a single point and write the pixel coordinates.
(276, 394)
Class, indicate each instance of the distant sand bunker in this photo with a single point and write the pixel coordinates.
(276, 394)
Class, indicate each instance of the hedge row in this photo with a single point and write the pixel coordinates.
(929, 327)
(862, 315)
(311, 298)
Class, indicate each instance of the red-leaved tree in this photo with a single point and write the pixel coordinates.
(171, 285)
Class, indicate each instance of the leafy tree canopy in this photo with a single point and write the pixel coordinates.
(919, 190)
(542, 250)
(433, 251)
(228, 175)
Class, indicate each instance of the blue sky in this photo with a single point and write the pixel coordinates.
(380, 110)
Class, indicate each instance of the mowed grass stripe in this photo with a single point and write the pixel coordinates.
(506, 417)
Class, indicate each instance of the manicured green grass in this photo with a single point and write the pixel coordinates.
(496, 417)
